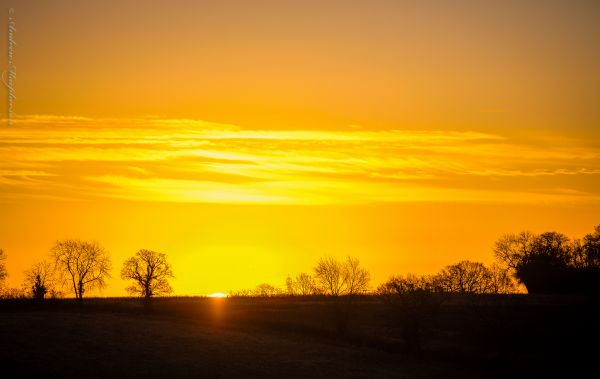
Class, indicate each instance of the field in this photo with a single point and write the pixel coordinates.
(478, 336)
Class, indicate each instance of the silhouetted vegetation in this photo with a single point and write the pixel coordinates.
(3, 272)
(337, 278)
(39, 280)
(474, 277)
(466, 308)
(266, 290)
(84, 265)
(552, 263)
(302, 285)
(150, 273)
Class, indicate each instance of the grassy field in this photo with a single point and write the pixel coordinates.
(479, 336)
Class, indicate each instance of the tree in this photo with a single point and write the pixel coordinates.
(329, 276)
(39, 280)
(3, 272)
(512, 249)
(305, 284)
(499, 280)
(591, 248)
(266, 290)
(150, 273)
(290, 286)
(337, 278)
(465, 277)
(357, 278)
(83, 265)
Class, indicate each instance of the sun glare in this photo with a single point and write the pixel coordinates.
(219, 295)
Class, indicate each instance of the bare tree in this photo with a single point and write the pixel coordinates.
(303, 284)
(150, 273)
(512, 249)
(357, 278)
(39, 280)
(266, 290)
(3, 272)
(290, 286)
(500, 280)
(465, 277)
(329, 274)
(83, 265)
(337, 278)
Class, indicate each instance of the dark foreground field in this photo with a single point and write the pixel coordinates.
(512, 336)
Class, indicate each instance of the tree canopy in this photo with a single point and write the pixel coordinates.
(150, 273)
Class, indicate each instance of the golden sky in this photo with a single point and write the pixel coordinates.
(247, 139)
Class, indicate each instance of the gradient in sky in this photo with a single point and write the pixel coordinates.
(248, 139)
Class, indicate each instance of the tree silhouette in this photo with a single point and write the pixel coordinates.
(337, 278)
(513, 249)
(150, 273)
(499, 280)
(465, 277)
(551, 263)
(3, 272)
(303, 284)
(330, 276)
(266, 290)
(356, 278)
(39, 279)
(591, 248)
(290, 286)
(83, 265)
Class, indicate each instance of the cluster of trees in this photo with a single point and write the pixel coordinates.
(412, 299)
(551, 262)
(81, 266)
(544, 263)
(332, 277)
(464, 277)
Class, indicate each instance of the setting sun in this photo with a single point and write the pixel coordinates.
(379, 188)
(218, 295)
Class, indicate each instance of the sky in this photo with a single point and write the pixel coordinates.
(247, 139)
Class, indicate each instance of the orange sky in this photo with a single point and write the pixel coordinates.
(247, 139)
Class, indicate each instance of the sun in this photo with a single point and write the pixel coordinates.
(219, 295)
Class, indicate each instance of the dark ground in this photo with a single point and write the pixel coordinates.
(478, 336)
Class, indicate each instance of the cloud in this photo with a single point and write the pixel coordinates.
(186, 160)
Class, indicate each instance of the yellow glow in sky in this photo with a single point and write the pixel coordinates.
(247, 139)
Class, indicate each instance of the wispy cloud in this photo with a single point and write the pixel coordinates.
(186, 160)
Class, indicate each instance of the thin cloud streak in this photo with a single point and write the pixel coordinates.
(184, 160)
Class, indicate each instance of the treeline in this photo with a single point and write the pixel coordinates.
(542, 263)
(342, 278)
(77, 267)
(331, 277)
(548, 263)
